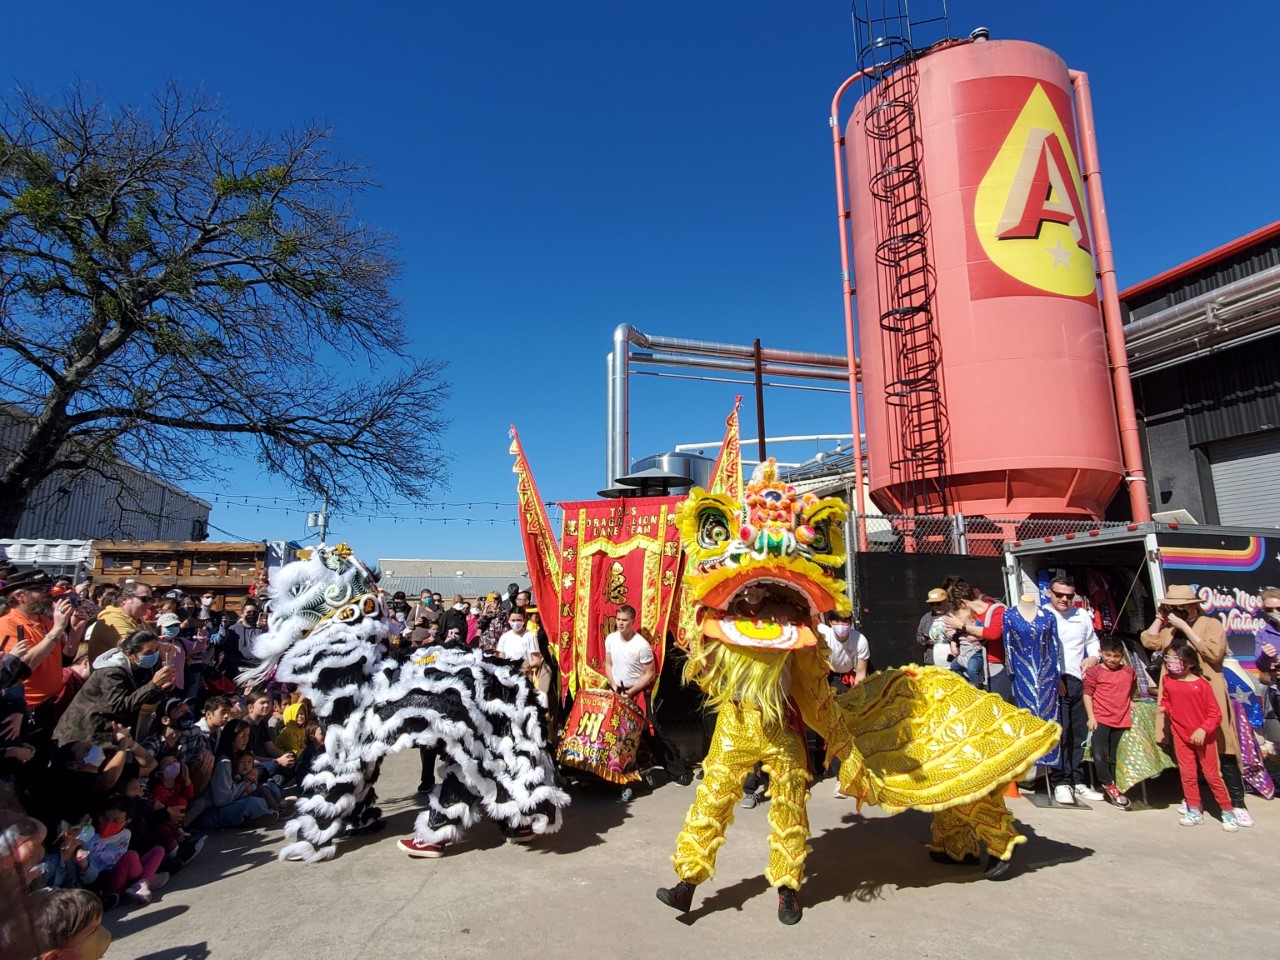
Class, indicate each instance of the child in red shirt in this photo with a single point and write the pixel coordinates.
(1188, 701)
(1108, 692)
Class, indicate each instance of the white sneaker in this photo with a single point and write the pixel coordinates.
(1062, 794)
(1088, 793)
(1242, 817)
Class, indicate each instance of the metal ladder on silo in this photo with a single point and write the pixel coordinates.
(906, 283)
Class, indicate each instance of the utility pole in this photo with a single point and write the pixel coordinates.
(324, 521)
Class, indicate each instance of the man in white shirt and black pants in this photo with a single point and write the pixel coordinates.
(1079, 650)
(631, 669)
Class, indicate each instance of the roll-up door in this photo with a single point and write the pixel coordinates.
(1246, 479)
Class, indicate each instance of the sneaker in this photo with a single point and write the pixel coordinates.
(419, 850)
(680, 896)
(1062, 794)
(523, 835)
(158, 880)
(1115, 797)
(998, 869)
(789, 910)
(750, 801)
(191, 849)
(1182, 809)
(1088, 793)
(840, 794)
(1242, 817)
(1192, 818)
(1229, 823)
(139, 892)
(109, 901)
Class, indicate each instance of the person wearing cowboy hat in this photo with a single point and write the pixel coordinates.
(1179, 614)
(39, 631)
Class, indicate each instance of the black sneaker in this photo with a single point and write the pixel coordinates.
(109, 901)
(998, 869)
(789, 911)
(680, 896)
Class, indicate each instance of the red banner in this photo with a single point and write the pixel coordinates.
(541, 551)
(614, 552)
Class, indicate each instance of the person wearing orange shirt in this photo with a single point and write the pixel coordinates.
(47, 638)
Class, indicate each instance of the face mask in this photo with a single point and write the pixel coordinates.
(457, 606)
(841, 629)
(109, 829)
(473, 610)
(171, 770)
(149, 659)
(1175, 668)
(172, 631)
(185, 722)
(94, 757)
(1273, 615)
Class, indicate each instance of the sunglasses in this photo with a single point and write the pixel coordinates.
(1063, 596)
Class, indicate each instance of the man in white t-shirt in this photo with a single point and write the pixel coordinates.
(1078, 647)
(631, 669)
(628, 658)
(848, 652)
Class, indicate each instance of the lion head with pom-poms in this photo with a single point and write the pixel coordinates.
(328, 601)
(765, 568)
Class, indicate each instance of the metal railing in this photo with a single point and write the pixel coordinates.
(962, 535)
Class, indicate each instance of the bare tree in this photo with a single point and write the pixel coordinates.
(174, 291)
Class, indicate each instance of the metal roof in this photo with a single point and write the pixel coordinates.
(1215, 256)
(469, 587)
(512, 570)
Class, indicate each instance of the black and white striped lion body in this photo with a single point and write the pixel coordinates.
(328, 635)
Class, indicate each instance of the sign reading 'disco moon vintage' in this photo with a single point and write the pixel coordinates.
(1026, 216)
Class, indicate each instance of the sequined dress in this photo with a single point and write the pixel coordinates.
(1034, 658)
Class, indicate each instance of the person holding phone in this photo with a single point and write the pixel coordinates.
(122, 682)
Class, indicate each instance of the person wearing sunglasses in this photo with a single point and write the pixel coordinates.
(119, 620)
(1179, 617)
(1080, 651)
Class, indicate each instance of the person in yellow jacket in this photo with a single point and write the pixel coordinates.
(122, 619)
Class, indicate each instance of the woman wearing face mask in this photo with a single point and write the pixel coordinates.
(123, 680)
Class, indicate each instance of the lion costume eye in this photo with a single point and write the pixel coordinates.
(713, 528)
(708, 524)
(826, 517)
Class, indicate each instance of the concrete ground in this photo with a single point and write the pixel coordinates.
(1091, 882)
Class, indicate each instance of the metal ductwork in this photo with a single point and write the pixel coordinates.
(1236, 313)
(703, 354)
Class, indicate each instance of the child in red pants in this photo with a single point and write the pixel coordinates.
(1188, 701)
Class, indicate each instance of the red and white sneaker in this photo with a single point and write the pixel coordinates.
(1115, 797)
(419, 850)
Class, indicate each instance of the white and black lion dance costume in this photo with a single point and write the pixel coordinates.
(328, 635)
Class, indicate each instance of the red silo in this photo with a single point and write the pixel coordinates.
(986, 382)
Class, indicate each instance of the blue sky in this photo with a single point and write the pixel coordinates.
(554, 169)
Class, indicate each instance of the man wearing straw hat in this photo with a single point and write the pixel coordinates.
(1179, 613)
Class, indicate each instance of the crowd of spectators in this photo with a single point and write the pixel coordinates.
(124, 740)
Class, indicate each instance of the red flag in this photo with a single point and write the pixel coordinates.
(541, 551)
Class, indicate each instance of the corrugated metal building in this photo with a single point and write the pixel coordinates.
(471, 578)
(1205, 363)
(124, 503)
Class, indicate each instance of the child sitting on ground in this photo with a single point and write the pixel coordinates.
(1187, 700)
(248, 775)
(1108, 694)
(115, 867)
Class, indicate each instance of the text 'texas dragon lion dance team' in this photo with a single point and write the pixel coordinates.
(762, 571)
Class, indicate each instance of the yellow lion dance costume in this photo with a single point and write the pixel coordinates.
(763, 572)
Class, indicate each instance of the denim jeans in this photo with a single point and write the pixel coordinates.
(972, 669)
(233, 814)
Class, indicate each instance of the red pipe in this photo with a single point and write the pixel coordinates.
(851, 343)
(1130, 443)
